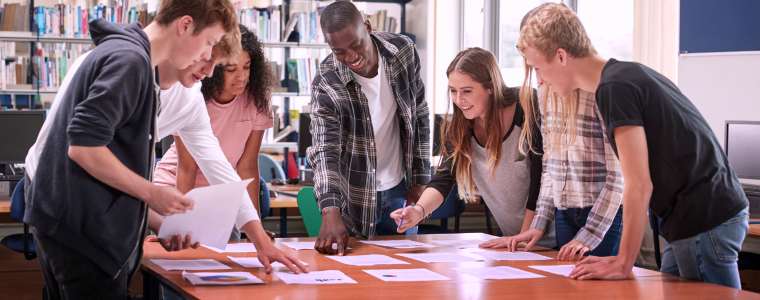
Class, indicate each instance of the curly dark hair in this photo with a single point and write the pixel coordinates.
(260, 81)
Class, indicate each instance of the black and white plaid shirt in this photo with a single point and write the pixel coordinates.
(343, 154)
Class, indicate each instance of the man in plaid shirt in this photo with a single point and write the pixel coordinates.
(369, 124)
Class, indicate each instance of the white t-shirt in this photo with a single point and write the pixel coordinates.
(183, 111)
(382, 110)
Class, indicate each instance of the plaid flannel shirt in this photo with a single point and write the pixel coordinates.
(587, 174)
(343, 154)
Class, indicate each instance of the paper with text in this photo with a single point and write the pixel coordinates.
(315, 277)
(222, 278)
(497, 273)
(253, 262)
(190, 264)
(438, 257)
(506, 255)
(235, 248)
(406, 275)
(399, 244)
(368, 260)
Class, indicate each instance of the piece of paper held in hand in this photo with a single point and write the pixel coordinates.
(497, 273)
(406, 275)
(190, 264)
(368, 260)
(222, 278)
(211, 220)
(437, 257)
(253, 262)
(506, 255)
(399, 244)
(314, 277)
(235, 248)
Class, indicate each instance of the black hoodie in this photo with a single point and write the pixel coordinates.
(110, 101)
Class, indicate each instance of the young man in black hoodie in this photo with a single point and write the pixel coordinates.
(89, 200)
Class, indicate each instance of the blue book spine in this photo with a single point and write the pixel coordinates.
(39, 18)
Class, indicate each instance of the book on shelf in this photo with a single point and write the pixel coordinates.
(53, 61)
(301, 72)
(63, 20)
(15, 17)
(264, 22)
(381, 22)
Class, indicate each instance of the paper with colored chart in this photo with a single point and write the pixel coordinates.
(399, 244)
(497, 273)
(190, 264)
(441, 257)
(234, 248)
(305, 245)
(222, 278)
(565, 270)
(315, 277)
(406, 275)
(253, 262)
(213, 215)
(513, 256)
(368, 260)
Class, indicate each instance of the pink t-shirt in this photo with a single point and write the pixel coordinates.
(232, 124)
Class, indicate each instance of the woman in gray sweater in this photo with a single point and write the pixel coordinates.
(482, 150)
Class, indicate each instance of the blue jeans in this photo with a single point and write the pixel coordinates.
(570, 221)
(387, 202)
(711, 255)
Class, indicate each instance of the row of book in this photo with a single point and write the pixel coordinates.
(13, 74)
(14, 17)
(7, 50)
(264, 22)
(53, 61)
(71, 21)
(304, 28)
(381, 22)
(301, 72)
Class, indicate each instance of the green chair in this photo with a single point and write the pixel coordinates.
(307, 204)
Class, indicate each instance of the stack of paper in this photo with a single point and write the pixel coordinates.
(190, 264)
(222, 278)
(398, 244)
(235, 248)
(406, 275)
(314, 277)
(506, 255)
(368, 260)
(438, 257)
(253, 262)
(497, 273)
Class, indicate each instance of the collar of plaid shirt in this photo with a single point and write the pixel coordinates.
(335, 90)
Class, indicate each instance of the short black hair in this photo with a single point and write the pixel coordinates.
(340, 15)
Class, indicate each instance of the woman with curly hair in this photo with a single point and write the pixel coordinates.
(237, 101)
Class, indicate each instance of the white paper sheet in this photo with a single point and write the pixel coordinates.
(506, 255)
(222, 278)
(565, 270)
(211, 220)
(441, 257)
(190, 264)
(253, 262)
(315, 277)
(497, 273)
(305, 245)
(460, 243)
(406, 275)
(399, 244)
(368, 260)
(235, 248)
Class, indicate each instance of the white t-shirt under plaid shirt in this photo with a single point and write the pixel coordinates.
(586, 174)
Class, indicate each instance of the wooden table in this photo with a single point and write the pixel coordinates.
(752, 241)
(283, 202)
(5, 206)
(651, 285)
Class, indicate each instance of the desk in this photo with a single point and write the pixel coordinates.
(752, 241)
(283, 202)
(652, 285)
(5, 206)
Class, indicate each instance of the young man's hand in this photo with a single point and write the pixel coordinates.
(268, 253)
(568, 251)
(502, 242)
(609, 268)
(168, 201)
(332, 232)
(175, 243)
(531, 236)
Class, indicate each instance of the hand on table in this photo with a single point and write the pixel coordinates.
(332, 232)
(531, 236)
(502, 242)
(607, 268)
(269, 254)
(569, 250)
(175, 243)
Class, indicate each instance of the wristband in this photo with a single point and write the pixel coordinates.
(425, 217)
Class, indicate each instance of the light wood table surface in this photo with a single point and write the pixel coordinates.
(754, 229)
(650, 285)
(5, 206)
(283, 202)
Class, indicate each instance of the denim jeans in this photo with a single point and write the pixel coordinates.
(387, 202)
(711, 255)
(570, 221)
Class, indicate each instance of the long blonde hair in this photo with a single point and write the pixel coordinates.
(482, 67)
(546, 28)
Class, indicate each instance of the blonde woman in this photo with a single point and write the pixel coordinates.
(670, 157)
(581, 184)
(482, 149)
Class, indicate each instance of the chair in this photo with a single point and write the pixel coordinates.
(307, 205)
(270, 168)
(263, 199)
(451, 207)
(21, 242)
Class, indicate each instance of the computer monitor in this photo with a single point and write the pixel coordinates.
(742, 143)
(19, 130)
(304, 135)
